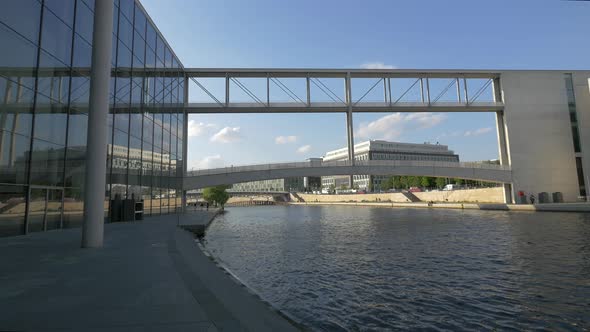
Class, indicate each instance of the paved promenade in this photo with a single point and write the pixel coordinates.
(150, 276)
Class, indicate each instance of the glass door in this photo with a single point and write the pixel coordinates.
(45, 209)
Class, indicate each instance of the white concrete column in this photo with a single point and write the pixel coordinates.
(96, 144)
(349, 125)
(184, 144)
(503, 153)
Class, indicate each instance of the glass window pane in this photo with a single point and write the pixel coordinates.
(123, 56)
(136, 122)
(13, 12)
(126, 32)
(148, 130)
(12, 214)
(73, 207)
(136, 90)
(53, 88)
(84, 21)
(82, 53)
(123, 90)
(64, 9)
(139, 49)
(56, 38)
(50, 126)
(160, 48)
(120, 162)
(151, 36)
(77, 128)
(157, 136)
(47, 163)
(150, 58)
(127, 8)
(80, 94)
(122, 120)
(14, 157)
(23, 54)
(140, 21)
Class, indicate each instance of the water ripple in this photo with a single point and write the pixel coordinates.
(374, 269)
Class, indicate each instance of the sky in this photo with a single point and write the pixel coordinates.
(425, 34)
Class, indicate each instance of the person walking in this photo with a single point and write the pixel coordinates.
(532, 198)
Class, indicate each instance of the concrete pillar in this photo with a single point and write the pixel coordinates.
(96, 144)
(503, 153)
(349, 125)
(184, 144)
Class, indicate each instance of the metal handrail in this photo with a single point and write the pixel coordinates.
(346, 163)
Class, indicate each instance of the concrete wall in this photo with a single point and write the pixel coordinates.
(539, 136)
(394, 197)
(484, 195)
(582, 93)
(487, 195)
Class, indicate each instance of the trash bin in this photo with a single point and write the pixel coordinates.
(544, 198)
(557, 197)
(139, 210)
(521, 198)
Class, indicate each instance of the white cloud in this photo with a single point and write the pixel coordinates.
(477, 132)
(215, 161)
(198, 128)
(377, 65)
(227, 135)
(285, 139)
(392, 126)
(304, 149)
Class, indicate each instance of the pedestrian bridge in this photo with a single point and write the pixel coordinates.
(229, 175)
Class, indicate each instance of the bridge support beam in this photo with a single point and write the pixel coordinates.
(503, 152)
(349, 125)
(96, 144)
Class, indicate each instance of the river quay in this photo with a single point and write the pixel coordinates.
(149, 276)
(550, 207)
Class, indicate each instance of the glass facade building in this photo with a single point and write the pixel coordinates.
(44, 96)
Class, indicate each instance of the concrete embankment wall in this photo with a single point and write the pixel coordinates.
(394, 197)
(485, 195)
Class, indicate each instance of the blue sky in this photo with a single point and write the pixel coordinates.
(474, 34)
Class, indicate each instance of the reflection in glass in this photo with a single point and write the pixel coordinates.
(12, 210)
(49, 100)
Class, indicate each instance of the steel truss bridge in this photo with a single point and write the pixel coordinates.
(308, 91)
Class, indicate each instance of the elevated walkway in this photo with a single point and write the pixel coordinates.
(229, 175)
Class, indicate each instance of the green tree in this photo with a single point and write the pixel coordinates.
(425, 182)
(387, 183)
(397, 184)
(458, 182)
(217, 195)
(403, 180)
(440, 182)
(414, 181)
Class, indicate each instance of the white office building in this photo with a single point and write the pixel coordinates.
(384, 150)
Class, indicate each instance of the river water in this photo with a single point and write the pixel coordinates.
(365, 268)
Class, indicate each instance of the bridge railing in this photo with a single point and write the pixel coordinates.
(345, 163)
